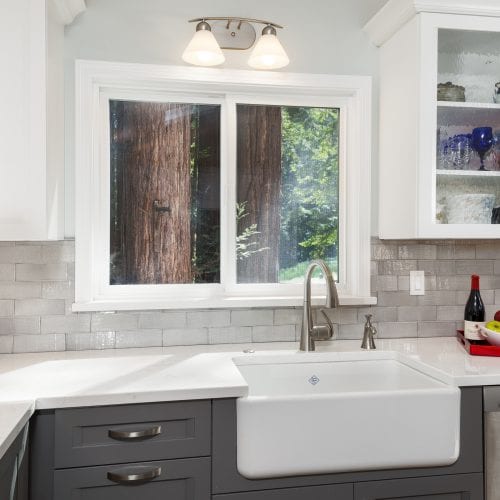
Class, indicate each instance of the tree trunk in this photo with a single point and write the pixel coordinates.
(258, 186)
(205, 188)
(154, 193)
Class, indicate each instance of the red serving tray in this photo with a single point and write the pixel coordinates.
(479, 347)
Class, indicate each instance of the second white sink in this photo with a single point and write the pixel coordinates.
(307, 417)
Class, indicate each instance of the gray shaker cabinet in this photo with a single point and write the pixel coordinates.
(453, 487)
(8, 473)
(13, 470)
(326, 492)
(113, 452)
(145, 451)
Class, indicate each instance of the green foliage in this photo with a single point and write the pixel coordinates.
(309, 193)
(297, 271)
(244, 246)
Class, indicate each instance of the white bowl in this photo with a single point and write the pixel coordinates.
(490, 335)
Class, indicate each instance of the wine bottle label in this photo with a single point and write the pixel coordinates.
(471, 330)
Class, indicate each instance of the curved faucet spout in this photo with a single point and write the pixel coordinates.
(310, 332)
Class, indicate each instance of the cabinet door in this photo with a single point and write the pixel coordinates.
(456, 487)
(8, 470)
(8, 475)
(187, 479)
(327, 492)
(22, 484)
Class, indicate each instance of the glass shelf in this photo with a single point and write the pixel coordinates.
(468, 105)
(468, 173)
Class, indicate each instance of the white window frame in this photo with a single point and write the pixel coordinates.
(97, 82)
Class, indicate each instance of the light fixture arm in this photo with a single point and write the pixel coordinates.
(236, 19)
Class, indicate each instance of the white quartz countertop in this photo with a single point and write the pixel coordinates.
(13, 417)
(94, 378)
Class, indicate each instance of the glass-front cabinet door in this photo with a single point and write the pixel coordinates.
(467, 170)
(439, 171)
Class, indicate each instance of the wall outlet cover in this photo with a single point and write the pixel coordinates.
(417, 283)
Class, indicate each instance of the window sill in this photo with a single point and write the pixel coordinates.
(220, 303)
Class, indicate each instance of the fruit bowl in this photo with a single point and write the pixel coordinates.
(492, 336)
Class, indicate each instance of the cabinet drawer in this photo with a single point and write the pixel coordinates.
(184, 479)
(132, 433)
(326, 492)
(456, 487)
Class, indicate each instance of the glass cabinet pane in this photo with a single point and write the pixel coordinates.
(468, 128)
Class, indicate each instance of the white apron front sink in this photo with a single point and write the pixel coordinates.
(302, 416)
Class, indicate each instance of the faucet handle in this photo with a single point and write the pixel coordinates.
(323, 332)
(370, 325)
(369, 333)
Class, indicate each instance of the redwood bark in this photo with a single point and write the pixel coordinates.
(205, 187)
(154, 157)
(259, 184)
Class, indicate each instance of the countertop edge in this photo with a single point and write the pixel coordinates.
(23, 412)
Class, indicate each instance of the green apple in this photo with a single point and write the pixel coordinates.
(493, 326)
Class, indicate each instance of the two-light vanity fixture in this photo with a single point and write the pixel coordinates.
(235, 33)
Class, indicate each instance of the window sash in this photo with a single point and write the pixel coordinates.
(93, 291)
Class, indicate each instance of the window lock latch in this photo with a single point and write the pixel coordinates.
(158, 208)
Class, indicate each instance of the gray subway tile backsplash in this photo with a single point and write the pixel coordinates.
(37, 290)
(74, 323)
(6, 344)
(7, 272)
(214, 318)
(20, 326)
(39, 343)
(162, 320)
(38, 307)
(94, 340)
(185, 336)
(41, 272)
(252, 317)
(6, 308)
(230, 335)
(114, 321)
(20, 254)
(139, 338)
(276, 333)
(19, 290)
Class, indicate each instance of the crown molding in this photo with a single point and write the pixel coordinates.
(67, 10)
(395, 13)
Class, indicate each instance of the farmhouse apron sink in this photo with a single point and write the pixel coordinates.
(305, 414)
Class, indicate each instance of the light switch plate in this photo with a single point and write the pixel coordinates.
(417, 283)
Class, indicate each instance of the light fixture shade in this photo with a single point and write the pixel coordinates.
(203, 50)
(268, 53)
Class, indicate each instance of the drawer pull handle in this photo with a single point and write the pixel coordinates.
(146, 433)
(148, 475)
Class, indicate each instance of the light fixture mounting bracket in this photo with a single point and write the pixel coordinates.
(234, 33)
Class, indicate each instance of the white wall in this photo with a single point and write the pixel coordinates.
(320, 36)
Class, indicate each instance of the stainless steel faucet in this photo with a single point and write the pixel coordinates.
(310, 332)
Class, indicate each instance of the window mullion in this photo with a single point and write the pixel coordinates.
(228, 194)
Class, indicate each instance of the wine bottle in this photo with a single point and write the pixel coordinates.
(474, 311)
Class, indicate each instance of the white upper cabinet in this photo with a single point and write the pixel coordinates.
(439, 155)
(31, 118)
